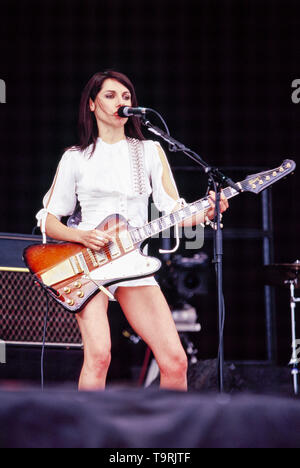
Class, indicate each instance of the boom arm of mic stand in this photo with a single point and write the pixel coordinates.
(214, 172)
(158, 131)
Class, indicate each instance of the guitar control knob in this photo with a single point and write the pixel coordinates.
(80, 294)
(67, 290)
(77, 285)
(70, 302)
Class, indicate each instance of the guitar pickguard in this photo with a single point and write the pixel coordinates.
(132, 265)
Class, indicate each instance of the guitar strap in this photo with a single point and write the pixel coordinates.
(136, 150)
(138, 170)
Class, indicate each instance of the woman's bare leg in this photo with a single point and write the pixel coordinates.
(147, 311)
(95, 332)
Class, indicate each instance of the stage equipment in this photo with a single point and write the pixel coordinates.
(182, 278)
(23, 302)
(287, 274)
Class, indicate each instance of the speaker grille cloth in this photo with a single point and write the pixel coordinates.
(22, 312)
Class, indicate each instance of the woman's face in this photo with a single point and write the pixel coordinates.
(110, 98)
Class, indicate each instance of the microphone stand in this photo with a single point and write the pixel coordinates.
(218, 180)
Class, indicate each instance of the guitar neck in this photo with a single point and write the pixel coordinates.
(179, 216)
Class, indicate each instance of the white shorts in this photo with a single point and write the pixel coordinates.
(150, 281)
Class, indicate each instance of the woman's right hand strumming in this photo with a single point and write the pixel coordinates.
(93, 239)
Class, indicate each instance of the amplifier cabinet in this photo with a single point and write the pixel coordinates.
(22, 312)
(23, 302)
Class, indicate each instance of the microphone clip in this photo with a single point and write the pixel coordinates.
(126, 111)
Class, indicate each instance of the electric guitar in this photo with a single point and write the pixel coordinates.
(72, 274)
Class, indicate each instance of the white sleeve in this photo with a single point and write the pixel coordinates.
(61, 199)
(161, 192)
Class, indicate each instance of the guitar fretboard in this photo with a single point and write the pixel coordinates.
(170, 220)
(254, 183)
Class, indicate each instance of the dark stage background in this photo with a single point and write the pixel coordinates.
(220, 73)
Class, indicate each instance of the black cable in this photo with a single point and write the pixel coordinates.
(222, 311)
(171, 147)
(44, 340)
(222, 327)
(161, 118)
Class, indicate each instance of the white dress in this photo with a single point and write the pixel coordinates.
(106, 183)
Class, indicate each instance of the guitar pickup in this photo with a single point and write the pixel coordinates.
(92, 257)
(101, 257)
(114, 250)
(126, 241)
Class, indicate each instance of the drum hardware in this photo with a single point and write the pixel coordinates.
(186, 321)
(287, 274)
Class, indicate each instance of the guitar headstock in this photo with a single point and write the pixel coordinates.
(257, 182)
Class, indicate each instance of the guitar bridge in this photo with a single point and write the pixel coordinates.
(65, 270)
(81, 260)
(60, 272)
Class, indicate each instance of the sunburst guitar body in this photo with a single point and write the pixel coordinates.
(72, 274)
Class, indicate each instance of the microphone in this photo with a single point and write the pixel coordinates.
(126, 111)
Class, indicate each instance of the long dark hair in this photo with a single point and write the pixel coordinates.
(87, 125)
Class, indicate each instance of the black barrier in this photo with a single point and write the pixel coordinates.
(150, 419)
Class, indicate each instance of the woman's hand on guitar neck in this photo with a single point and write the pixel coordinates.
(212, 200)
(200, 218)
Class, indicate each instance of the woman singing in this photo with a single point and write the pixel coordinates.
(114, 170)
